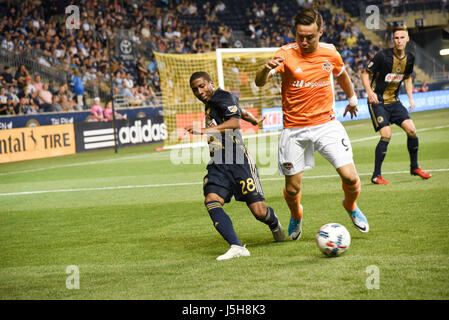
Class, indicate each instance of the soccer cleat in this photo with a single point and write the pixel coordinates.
(420, 172)
(379, 180)
(358, 218)
(278, 233)
(234, 252)
(295, 228)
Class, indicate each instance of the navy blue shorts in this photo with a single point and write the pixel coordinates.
(238, 180)
(383, 115)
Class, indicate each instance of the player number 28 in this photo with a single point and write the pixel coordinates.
(247, 185)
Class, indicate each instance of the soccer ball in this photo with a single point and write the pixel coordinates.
(333, 239)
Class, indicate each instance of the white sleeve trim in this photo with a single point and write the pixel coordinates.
(343, 69)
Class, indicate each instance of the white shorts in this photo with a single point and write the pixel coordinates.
(298, 145)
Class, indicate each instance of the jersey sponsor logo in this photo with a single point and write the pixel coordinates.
(394, 77)
(327, 66)
(308, 84)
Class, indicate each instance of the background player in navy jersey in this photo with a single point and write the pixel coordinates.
(388, 69)
(231, 171)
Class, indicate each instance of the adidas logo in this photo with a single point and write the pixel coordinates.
(298, 70)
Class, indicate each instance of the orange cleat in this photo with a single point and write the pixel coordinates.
(420, 172)
(379, 180)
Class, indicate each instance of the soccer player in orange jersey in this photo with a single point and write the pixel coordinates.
(307, 68)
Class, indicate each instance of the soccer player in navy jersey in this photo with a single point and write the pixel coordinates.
(231, 171)
(388, 69)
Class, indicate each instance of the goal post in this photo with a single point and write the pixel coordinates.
(233, 70)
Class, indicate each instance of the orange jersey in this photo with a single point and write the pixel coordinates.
(307, 89)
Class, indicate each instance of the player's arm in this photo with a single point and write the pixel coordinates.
(230, 124)
(265, 72)
(372, 96)
(346, 85)
(409, 89)
(249, 117)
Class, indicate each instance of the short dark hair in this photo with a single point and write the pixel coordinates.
(200, 74)
(307, 17)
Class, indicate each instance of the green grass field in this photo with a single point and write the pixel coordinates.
(135, 226)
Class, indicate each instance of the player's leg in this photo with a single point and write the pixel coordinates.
(379, 155)
(222, 222)
(295, 156)
(266, 214)
(247, 187)
(351, 186)
(292, 196)
(217, 192)
(412, 146)
(332, 142)
(380, 117)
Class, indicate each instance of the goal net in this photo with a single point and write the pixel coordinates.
(233, 70)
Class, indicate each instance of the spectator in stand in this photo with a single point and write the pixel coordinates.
(108, 113)
(3, 100)
(26, 107)
(12, 95)
(128, 84)
(37, 84)
(55, 106)
(7, 78)
(77, 88)
(97, 110)
(220, 8)
(21, 77)
(45, 98)
(66, 105)
(28, 91)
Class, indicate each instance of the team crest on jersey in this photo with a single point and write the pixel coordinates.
(232, 109)
(380, 119)
(327, 66)
(287, 166)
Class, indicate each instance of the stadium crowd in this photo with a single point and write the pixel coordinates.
(37, 30)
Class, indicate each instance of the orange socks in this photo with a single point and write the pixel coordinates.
(294, 205)
(351, 194)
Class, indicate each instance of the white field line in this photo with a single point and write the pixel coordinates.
(163, 154)
(182, 184)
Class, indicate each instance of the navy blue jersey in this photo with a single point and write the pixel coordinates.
(227, 147)
(388, 72)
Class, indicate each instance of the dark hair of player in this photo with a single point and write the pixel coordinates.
(200, 74)
(307, 17)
